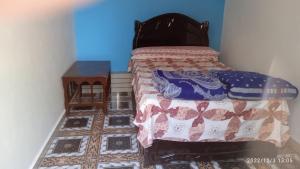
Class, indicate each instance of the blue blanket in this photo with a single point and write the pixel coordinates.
(189, 85)
(255, 86)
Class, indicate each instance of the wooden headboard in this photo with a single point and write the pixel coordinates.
(171, 29)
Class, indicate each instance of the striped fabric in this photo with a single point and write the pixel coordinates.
(255, 86)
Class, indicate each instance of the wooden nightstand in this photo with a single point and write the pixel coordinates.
(88, 73)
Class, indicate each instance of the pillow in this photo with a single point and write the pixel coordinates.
(177, 50)
(188, 85)
(255, 86)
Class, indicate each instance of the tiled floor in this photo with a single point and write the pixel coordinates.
(88, 139)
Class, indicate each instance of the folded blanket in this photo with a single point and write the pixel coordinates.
(188, 85)
(255, 86)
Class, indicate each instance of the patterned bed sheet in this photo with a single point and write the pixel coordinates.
(202, 121)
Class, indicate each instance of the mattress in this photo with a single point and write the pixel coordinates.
(228, 120)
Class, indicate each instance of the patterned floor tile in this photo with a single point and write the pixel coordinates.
(120, 165)
(118, 144)
(118, 121)
(178, 165)
(71, 123)
(63, 167)
(68, 146)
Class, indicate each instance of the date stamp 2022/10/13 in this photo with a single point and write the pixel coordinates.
(280, 159)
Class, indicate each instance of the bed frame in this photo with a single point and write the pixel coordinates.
(175, 29)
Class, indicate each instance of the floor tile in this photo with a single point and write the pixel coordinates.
(119, 121)
(121, 165)
(68, 146)
(63, 167)
(71, 123)
(178, 165)
(118, 144)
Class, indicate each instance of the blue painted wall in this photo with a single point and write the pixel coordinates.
(104, 31)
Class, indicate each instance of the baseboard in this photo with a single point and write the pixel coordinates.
(46, 141)
(294, 145)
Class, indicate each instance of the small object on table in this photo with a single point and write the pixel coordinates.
(87, 73)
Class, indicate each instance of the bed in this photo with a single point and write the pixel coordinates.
(173, 129)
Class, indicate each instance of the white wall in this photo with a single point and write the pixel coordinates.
(264, 36)
(33, 57)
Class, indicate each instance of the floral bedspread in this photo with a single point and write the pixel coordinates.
(202, 121)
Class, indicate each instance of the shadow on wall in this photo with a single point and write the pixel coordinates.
(105, 30)
(286, 67)
(254, 41)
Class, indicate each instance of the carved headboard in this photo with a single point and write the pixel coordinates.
(171, 29)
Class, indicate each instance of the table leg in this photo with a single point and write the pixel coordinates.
(108, 89)
(109, 84)
(66, 94)
(105, 98)
(92, 92)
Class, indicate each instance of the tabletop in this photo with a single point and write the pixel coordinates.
(89, 69)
